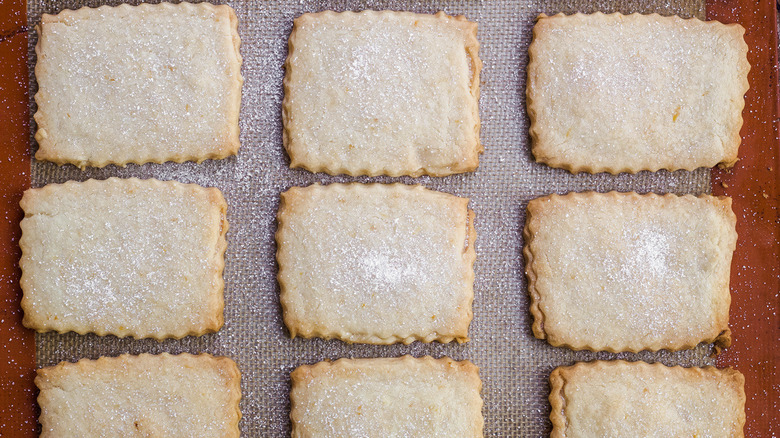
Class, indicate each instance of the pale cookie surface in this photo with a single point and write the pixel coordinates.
(624, 93)
(388, 397)
(141, 396)
(382, 93)
(629, 272)
(137, 84)
(635, 399)
(126, 257)
(376, 263)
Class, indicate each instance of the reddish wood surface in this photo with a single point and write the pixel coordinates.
(753, 186)
(18, 415)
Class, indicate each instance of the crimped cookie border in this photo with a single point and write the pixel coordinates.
(722, 340)
(469, 31)
(225, 365)
(537, 138)
(47, 149)
(217, 301)
(304, 374)
(296, 327)
(560, 375)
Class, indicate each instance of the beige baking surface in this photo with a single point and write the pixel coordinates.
(514, 366)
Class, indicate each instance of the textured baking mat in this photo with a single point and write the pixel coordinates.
(514, 366)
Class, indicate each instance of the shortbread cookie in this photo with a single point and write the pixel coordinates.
(382, 93)
(636, 399)
(376, 263)
(141, 396)
(395, 397)
(624, 93)
(138, 84)
(126, 257)
(629, 272)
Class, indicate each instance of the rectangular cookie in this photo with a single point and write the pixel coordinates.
(636, 399)
(125, 257)
(167, 87)
(628, 272)
(382, 93)
(145, 395)
(623, 93)
(398, 397)
(376, 263)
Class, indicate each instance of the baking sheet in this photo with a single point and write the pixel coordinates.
(754, 186)
(514, 366)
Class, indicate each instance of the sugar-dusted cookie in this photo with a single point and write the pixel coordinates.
(141, 396)
(622, 399)
(629, 272)
(376, 263)
(126, 257)
(624, 93)
(390, 397)
(138, 84)
(382, 93)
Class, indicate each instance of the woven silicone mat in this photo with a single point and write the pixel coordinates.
(514, 366)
